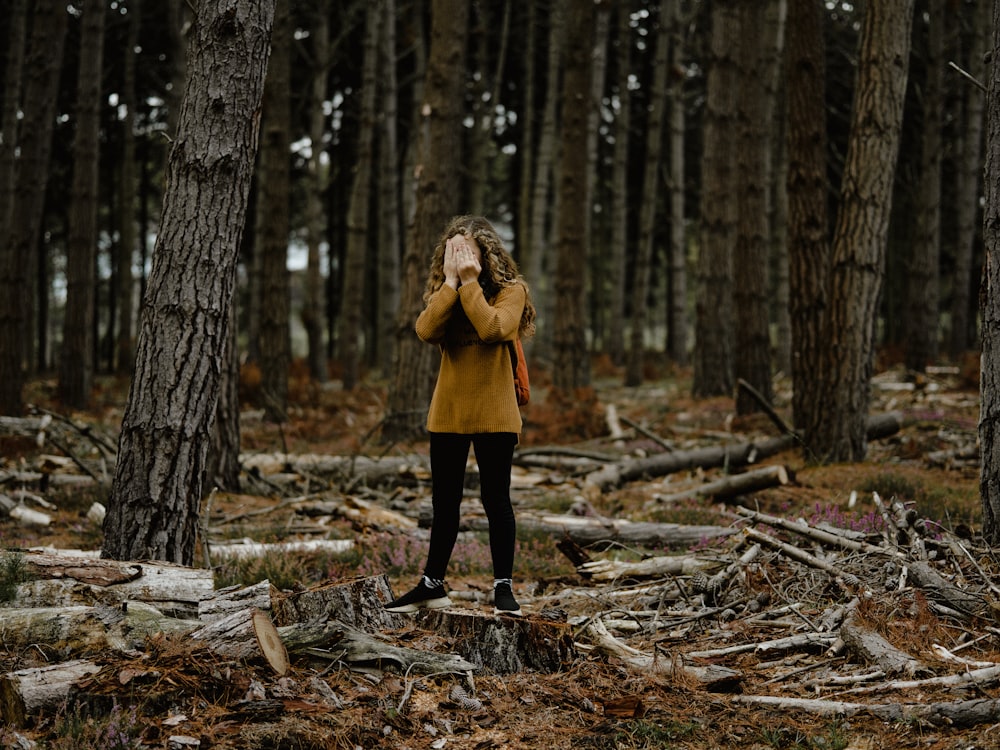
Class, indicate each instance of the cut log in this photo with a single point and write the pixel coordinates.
(248, 548)
(84, 629)
(358, 602)
(247, 635)
(653, 567)
(73, 579)
(224, 602)
(733, 456)
(873, 649)
(938, 589)
(504, 645)
(957, 714)
(713, 677)
(731, 486)
(29, 692)
(594, 530)
(372, 472)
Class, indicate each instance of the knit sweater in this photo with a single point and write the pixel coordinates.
(475, 385)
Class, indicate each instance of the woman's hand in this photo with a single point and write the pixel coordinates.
(462, 260)
(450, 268)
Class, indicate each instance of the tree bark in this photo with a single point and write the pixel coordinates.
(505, 645)
(757, 85)
(962, 335)
(538, 258)
(125, 290)
(713, 355)
(842, 379)
(272, 220)
(650, 200)
(571, 360)
(437, 199)
(354, 300)
(76, 363)
(615, 344)
(154, 503)
(923, 276)
(315, 224)
(808, 223)
(677, 316)
(19, 254)
(17, 18)
(390, 244)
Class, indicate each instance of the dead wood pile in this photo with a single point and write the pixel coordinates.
(895, 621)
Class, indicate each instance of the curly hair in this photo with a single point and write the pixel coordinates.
(499, 268)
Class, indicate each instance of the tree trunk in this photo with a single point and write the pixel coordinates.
(437, 199)
(843, 375)
(76, 364)
(537, 261)
(222, 464)
(619, 189)
(713, 356)
(808, 189)
(19, 255)
(390, 244)
(312, 304)
(677, 314)
(650, 199)
(17, 18)
(969, 183)
(353, 301)
(491, 35)
(923, 278)
(272, 220)
(154, 502)
(125, 291)
(571, 362)
(989, 301)
(596, 258)
(757, 87)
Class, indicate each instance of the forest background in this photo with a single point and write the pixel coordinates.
(738, 188)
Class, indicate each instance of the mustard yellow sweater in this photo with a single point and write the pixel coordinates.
(475, 385)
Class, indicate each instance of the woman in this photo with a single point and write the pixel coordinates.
(476, 305)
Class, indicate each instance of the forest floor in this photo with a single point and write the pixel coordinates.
(597, 700)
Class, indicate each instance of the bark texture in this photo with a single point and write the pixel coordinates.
(989, 302)
(155, 499)
(859, 241)
(437, 198)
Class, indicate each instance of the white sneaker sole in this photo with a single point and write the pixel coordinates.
(513, 612)
(407, 609)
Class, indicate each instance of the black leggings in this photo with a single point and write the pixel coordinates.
(449, 453)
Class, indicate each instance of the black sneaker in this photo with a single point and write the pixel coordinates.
(420, 597)
(504, 602)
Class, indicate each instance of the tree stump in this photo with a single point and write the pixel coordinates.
(503, 644)
(358, 602)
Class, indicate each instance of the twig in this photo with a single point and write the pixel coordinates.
(665, 444)
(766, 407)
(967, 75)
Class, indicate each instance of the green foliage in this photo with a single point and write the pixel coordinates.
(834, 737)
(13, 572)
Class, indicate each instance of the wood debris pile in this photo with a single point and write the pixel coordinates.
(888, 624)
